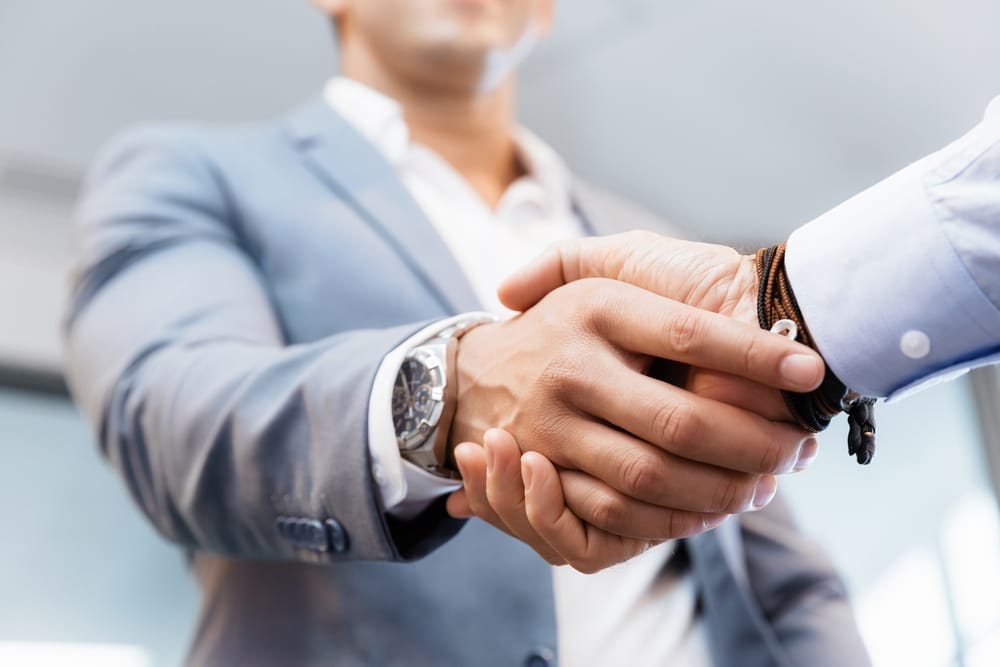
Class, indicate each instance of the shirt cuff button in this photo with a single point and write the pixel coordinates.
(915, 344)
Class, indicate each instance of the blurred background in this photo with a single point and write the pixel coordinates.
(738, 121)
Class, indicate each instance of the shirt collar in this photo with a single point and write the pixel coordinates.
(544, 166)
(379, 119)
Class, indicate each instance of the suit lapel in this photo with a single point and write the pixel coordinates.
(358, 174)
(739, 633)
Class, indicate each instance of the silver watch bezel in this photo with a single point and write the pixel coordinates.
(430, 357)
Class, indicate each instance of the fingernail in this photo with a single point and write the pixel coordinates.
(526, 475)
(764, 492)
(802, 370)
(711, 522)
(807, 454)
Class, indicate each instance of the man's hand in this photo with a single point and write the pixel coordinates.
(567, 379)
(526, 497)
(712, 277)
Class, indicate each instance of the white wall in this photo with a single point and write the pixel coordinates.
(33, 254)
(72, 76)
(738, 120)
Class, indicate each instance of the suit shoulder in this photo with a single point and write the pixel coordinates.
(184, 141)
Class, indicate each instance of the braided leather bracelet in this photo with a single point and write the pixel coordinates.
(778, 311)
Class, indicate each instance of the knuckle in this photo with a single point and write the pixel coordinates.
(567, 372)
(731, 497)
(641, 476)
(675, 424)
(591, 313)
(595, 303)
(605, 510)
(772, 457)
(684, 331)
(753, 354)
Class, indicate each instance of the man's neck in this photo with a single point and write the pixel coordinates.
(472, 131)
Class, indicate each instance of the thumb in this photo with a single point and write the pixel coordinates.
(593, 257)
(529, 285)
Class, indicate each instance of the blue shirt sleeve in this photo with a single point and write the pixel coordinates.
(900, 285)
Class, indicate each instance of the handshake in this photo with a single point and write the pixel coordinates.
(634, 399)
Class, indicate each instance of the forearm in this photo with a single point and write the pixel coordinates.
(218, 441)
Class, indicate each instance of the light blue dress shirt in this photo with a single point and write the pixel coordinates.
(900, 286)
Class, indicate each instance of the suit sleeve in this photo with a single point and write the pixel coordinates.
(229, 439)
(899, 285)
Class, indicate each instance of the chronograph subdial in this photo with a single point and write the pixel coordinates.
(416, 399)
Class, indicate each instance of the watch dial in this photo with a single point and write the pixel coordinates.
(411, 398)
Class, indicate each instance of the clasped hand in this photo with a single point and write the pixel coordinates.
(585, 456)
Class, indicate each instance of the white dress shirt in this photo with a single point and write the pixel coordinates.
(900, 286)
(633, 613)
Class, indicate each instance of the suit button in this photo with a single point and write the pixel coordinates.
(540, 657)
(303, 533)
(336, 536)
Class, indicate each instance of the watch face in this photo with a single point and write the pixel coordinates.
(413, 400)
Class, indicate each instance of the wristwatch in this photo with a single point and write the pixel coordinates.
(424, 397)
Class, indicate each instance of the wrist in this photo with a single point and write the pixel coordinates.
(425, 395)
(744, 289)
(469, 362)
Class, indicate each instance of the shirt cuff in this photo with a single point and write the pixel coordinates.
(887, 299)
(406, 489)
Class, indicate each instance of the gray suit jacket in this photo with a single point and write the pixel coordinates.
(234, 292)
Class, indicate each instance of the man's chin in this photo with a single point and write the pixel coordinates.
(457, 55)
(474, 7)
(454, 64)
(465, 41)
